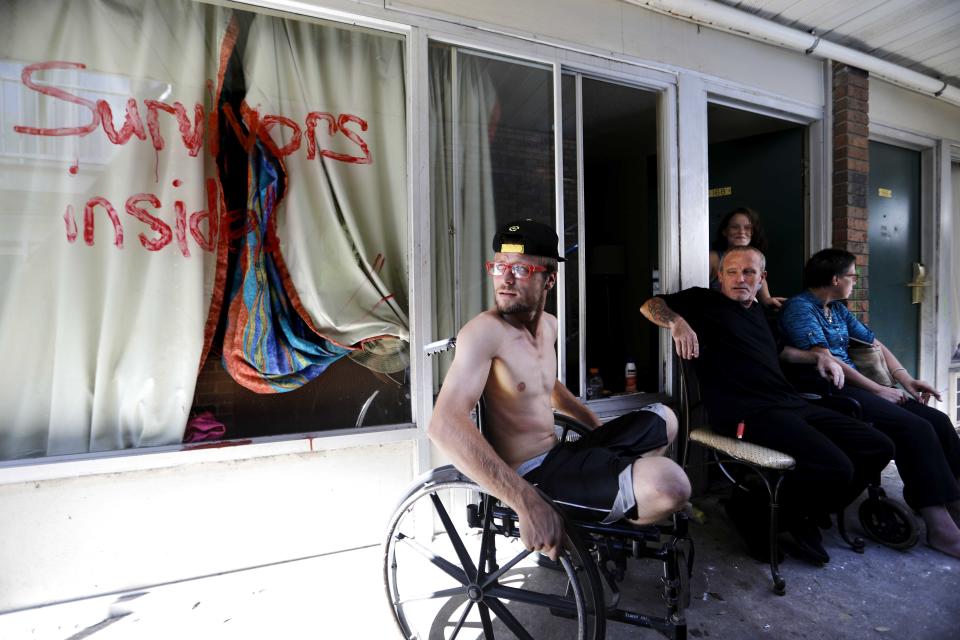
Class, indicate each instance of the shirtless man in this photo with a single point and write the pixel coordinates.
(507, 354)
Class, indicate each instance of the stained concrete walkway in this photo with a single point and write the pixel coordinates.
(882, 594)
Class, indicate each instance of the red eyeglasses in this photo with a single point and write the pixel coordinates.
(521, 270)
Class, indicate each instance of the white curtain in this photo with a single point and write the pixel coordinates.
(954, 249)
(441, 198)
(473, 229)
(102, 324)
(342, 225)
(478, 100)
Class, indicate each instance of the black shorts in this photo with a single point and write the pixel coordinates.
(584, 476)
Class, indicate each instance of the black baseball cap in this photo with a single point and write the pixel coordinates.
(529, 237)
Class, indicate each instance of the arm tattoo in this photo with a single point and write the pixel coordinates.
(659, 313)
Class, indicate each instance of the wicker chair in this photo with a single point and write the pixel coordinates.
(769, 465)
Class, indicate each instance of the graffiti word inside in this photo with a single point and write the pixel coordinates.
(160, 234)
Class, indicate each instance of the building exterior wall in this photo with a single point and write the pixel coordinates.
(120, 528)
(614, 27)
(851, 169)
(897, 107)
(210, 512)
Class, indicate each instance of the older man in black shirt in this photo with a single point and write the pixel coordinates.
(737, 363)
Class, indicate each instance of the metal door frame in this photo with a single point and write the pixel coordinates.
(930, 367)
(949, 155)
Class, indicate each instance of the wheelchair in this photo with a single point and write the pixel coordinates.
(454, 566)
(884, 520)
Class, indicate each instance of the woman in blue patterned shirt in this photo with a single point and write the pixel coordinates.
(928, 449)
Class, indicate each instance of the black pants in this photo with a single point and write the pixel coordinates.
(836, 456)
(928, 449)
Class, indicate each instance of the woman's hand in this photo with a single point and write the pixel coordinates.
(829, 368)
(774, 302)
(920, 390)
(896, 396)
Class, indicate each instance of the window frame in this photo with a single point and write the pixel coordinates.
(667, 218)
(156, 457)
(630, 74)
(681, 129)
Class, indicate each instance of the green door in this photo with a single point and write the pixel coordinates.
(893, 199)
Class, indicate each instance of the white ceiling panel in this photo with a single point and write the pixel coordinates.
(916, 29)
(922, 35)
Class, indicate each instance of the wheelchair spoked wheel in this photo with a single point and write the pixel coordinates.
(449, 572)
(888, 523)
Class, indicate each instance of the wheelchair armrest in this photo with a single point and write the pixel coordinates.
(439, 346)
(841, 404)
(568, 425)
(815, 389)
(805, 378)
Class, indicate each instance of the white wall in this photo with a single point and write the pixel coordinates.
(77, 537)
(614, 26)
(897, 107)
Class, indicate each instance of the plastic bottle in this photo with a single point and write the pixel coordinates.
(630, 377)
(594, 384)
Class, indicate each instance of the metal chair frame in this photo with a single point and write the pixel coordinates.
(734, 451)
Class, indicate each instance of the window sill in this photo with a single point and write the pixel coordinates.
(616, 405)
(128, 460)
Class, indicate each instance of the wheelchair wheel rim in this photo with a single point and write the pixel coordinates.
(888, 523)
(441, 598)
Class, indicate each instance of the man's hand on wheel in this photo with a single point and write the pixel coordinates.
(541, 527)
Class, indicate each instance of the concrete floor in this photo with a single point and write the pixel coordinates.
(880, 594)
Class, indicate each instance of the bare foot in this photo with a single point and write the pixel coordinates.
(942, 532)
(954, 509)
(951, 548)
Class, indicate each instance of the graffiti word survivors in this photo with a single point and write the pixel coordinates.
(256, 126)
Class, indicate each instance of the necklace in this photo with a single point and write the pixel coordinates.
(828, 314)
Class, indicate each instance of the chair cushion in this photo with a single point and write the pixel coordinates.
(742, 450)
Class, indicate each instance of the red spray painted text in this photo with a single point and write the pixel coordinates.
(192, 133)
(247, 129)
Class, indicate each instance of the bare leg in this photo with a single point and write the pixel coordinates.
(954, 509)
(942, 532)
(672, 427)
(660, 487)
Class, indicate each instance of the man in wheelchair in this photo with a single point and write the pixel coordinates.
(507, 355)
(746, 396)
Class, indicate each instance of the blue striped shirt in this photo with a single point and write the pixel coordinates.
(805, 325)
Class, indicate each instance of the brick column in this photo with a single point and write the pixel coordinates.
(851, 168)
